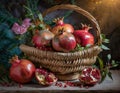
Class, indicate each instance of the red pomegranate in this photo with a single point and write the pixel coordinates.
(90, 76)
(42, 38)
(83, 37)
(64, 42)
(61, 25)
(44, 77)
(21, 71)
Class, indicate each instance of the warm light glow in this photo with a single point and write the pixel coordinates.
(108, 3)
(111, 2)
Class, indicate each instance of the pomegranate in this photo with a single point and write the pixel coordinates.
(64, 42)
(44, 77)
(83, 37)
(42, 38)
(61, 25)
(21, 71)
(90, 76)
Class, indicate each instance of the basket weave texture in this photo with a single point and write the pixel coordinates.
(66, 63)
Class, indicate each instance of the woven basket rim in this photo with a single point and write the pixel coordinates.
(60, 53)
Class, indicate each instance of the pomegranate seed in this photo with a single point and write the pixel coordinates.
(8, 84)
(49, 79)
(81, 86)
(56, 83)
(65, 86)
(60, 84)
(20, 85)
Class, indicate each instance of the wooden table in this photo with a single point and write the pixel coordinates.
(107, 86)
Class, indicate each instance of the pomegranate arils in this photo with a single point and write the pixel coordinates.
(44, 77)
(95, 73)
(49, 78)
(90, 76)
(65, 86)
(88, 70)
(20, 85)
(41, 71)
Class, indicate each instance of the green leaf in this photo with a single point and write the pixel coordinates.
(106, 41)
(40, 17)
(87, 46)
(67, 14)
(114, 64)
(102, 36)
(110, 75)
(104, 47)
(109, 56)
(72, 1)
(103, 74)
(100, 63)
(42, 26)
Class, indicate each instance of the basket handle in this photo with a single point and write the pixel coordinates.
(81, 11)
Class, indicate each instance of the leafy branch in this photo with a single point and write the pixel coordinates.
(6, 17)
(105, 66)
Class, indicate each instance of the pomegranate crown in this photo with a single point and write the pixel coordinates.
(14, 59)
(59, 21)
(86, 27)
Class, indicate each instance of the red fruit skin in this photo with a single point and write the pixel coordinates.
(42, 38)
(23, 71)
(64, 42)
(67, 28)
(90, 76)
(37, 40)
(60, 25)
(56, 45)
(83, 37)
(67, 41)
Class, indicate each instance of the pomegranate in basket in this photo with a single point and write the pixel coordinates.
(90, 76)
(44, 77)
(83, 37)
(61, 25)
(42, 39)
(64, 42)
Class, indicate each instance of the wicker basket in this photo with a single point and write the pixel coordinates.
(66, 66)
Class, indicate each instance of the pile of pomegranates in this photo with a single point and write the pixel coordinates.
(62, 37)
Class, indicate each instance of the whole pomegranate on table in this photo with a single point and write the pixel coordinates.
(22, 70)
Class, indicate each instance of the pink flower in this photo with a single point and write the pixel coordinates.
(26, 22)
(17, 29)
